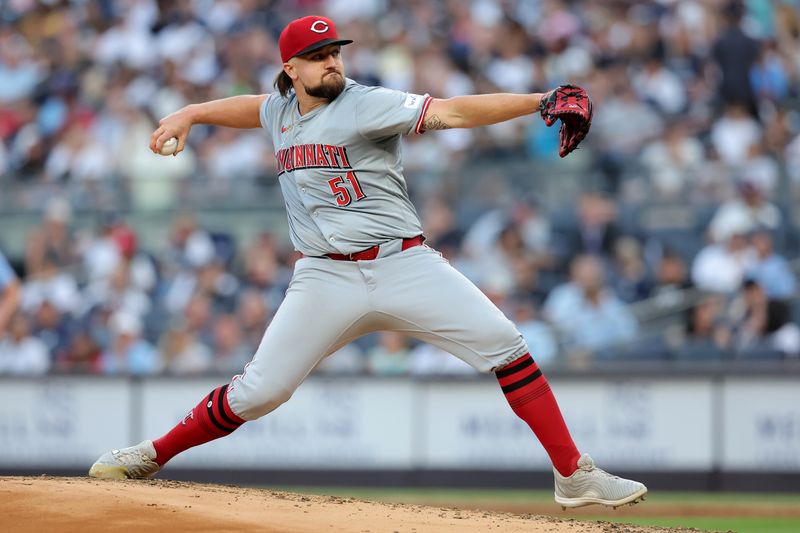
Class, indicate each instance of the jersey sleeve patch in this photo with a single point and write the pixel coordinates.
(413, 101)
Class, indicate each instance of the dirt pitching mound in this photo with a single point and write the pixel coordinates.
(38, 504)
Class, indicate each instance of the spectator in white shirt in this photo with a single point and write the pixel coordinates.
(720, 267)
(733, 135)
(749, 211)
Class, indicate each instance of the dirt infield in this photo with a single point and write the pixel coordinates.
(39, 504)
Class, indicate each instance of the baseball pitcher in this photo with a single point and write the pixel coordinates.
(365, 265)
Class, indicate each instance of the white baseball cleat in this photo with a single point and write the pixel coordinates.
(134, 462)
(591, 485)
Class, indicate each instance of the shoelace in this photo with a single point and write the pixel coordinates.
(132, 457)
(591, 467)
(606, 474)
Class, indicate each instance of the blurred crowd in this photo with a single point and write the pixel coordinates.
(678, 241)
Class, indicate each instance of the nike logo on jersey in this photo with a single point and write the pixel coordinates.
(302, 156)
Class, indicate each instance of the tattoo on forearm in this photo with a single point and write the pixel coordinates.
(433, 122)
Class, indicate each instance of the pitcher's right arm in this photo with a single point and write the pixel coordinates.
(233, 112)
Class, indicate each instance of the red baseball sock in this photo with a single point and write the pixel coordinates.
(529, 395)
(211, 419)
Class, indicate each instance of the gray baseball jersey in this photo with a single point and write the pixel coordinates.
(341, 177)
(340, 167)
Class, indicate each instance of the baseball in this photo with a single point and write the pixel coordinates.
(169, 146)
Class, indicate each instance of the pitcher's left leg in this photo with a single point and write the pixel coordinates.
(529, 395)
(447, 310)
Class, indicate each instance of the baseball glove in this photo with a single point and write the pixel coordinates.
(572, 105)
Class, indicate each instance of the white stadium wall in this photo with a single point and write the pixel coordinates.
(632, 424)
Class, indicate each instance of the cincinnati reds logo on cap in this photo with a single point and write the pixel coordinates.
(307, 34)
(320, 26)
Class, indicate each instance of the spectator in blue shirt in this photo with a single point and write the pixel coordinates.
(771, 271)
(9, 293)
(128, 352)
(586, 312)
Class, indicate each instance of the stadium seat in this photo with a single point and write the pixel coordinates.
(649, 348)
(701, 351)
(224, 247)
(684, 242)
(761, 351)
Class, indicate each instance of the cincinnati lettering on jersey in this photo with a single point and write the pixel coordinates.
(302, 156)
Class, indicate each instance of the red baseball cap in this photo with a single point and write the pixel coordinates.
(307, 34)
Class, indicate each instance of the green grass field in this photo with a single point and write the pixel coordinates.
(719, 523)
(739, 512)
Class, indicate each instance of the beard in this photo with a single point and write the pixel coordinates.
(328, 89)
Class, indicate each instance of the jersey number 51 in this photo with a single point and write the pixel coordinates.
(342, 193)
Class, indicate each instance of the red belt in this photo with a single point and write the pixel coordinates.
(371, 253)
